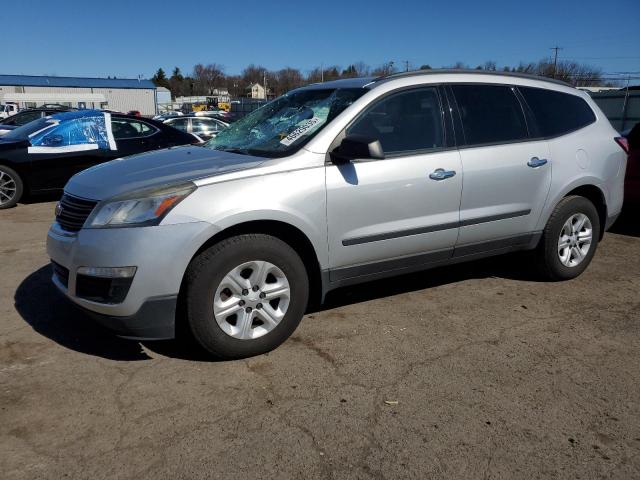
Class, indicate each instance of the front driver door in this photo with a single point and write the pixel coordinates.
(403, 211)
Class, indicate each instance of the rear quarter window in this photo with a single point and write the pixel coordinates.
(557, 113)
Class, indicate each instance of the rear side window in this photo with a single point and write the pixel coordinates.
(557, 113)
(125, 128)
(490, 114)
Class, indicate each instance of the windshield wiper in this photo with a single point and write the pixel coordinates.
(241, 151)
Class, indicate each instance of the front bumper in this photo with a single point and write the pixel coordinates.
(161, 255)
(154, 321)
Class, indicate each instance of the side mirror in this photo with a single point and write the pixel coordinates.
(52, 140)
(357, 147)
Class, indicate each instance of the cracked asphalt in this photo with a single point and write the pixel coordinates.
(495, 375)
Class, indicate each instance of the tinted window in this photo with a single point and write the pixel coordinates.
(23, 118)
(490, 114)
(405, 122)
(557, 113)
(124, 128)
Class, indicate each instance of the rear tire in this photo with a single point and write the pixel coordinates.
(569, 240)
(245, 295)
(11, 187)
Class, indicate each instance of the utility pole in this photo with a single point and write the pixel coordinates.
(322, 72)
(264, 78)
(406, 63)
(555, 59)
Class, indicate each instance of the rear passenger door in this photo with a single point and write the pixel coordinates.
(132, 136)
(507, 175)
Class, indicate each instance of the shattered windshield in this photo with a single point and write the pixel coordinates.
(281, 127)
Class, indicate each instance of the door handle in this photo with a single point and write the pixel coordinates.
(536, 162)
(441, 174)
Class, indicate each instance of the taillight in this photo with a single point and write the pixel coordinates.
(623, 142)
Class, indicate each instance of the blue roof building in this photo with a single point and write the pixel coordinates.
(119, 94)
(77, 82)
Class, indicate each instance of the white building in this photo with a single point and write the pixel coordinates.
(163, 95)
(255, 90)
(118, 94)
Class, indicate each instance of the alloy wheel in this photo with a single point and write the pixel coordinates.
(251, 300)
(575, 240)
(8, 188)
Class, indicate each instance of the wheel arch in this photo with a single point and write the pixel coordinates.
(595, 195)
(282, 230)
(21, 170)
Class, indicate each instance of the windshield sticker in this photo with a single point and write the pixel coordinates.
(300, 131)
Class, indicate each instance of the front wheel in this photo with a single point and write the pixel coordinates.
(11, 187)
(245, 295)
(569, 240)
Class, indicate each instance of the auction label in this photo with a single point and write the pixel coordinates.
(300, 131)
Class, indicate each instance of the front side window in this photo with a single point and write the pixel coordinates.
(70, 132)
(490, 114)
(557, 113)
(404, 122)
(283, 126)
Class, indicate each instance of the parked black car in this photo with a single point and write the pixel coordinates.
(29, 115)
(42, 155)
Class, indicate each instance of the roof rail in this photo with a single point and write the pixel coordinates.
(434, 71)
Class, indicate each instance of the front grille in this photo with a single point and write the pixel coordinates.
(73, 211)
(61, 273)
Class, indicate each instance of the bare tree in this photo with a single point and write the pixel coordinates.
(207, 78)
(287, 79)
(384, 69)
(576, 74)
(254, 74)
(358, 69)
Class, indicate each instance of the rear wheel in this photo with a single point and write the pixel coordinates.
(245, 295)
(11, 187)
(569, 240)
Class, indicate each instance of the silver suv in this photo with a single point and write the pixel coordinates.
(335, 184)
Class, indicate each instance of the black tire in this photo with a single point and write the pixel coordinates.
(206, 272)
(548, 260)
(8, 176)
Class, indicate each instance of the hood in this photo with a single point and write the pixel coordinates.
(6, 128)
(151, 169)
(12, 144)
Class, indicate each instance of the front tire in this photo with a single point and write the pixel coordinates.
(245, 295)
(569, 240)
(11, 187)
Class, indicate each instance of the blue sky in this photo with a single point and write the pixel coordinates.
(127, 38)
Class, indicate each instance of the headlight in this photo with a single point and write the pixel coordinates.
(140, 208)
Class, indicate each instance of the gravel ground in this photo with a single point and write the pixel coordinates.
(471, 371)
